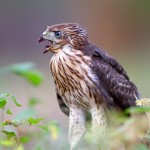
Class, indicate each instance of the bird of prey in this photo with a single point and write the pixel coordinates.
(87, 79)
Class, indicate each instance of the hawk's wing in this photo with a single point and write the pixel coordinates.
(64, 108)
(113, 79)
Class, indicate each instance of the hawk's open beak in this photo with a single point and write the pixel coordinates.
(47, 47)
(41, 39)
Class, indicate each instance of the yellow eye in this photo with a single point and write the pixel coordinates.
(58, 34)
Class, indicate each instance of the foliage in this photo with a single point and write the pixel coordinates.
(26, 128)
(26, 71)
(11, 129)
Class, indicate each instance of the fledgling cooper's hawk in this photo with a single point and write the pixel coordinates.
(87, 79)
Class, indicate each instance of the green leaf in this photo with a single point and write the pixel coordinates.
(33, 101)
(9, 134)
(26, 71)
(9, 112)
(4, 123)
(24, 139)
(45, 128)
(137, 110)
(34, 77)
(20, 147)
(33, 121)
(15, 101)
(7, 143)
(3, 102)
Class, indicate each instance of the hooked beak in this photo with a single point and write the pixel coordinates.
(41, 39)
(47, 47)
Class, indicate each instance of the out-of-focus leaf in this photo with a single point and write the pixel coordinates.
(7, 143)
(32, 76)
(45, 128)
(18, 67)
(54, 129)
(9, 134)
(24, 139)
(11, 122)
(4, 124)
(9, 112)
(20, 147)
(22, 66)
(17, 123)
(34, 121)
(123, 128)
(27, 71)
(33, 101)
(15, 101)
(137, 110)
(3, 96)
(24, 115)
(148, 135)
(38, 148)
(3, 102)
(141, 147)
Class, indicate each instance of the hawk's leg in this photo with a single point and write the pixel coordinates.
(99, 118)
(77, 126)
(99, 127)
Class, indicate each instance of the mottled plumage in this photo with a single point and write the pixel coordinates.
(87, 79)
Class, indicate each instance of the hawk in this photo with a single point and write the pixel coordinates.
(87, 79)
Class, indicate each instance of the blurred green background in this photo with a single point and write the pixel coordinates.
(122, 28)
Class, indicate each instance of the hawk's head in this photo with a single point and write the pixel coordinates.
(61, 34)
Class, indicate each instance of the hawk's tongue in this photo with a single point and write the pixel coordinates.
(45, 51)
(47, 47)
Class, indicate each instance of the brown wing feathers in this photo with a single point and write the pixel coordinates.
(114, 79)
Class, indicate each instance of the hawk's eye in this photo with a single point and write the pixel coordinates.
(57, 34)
